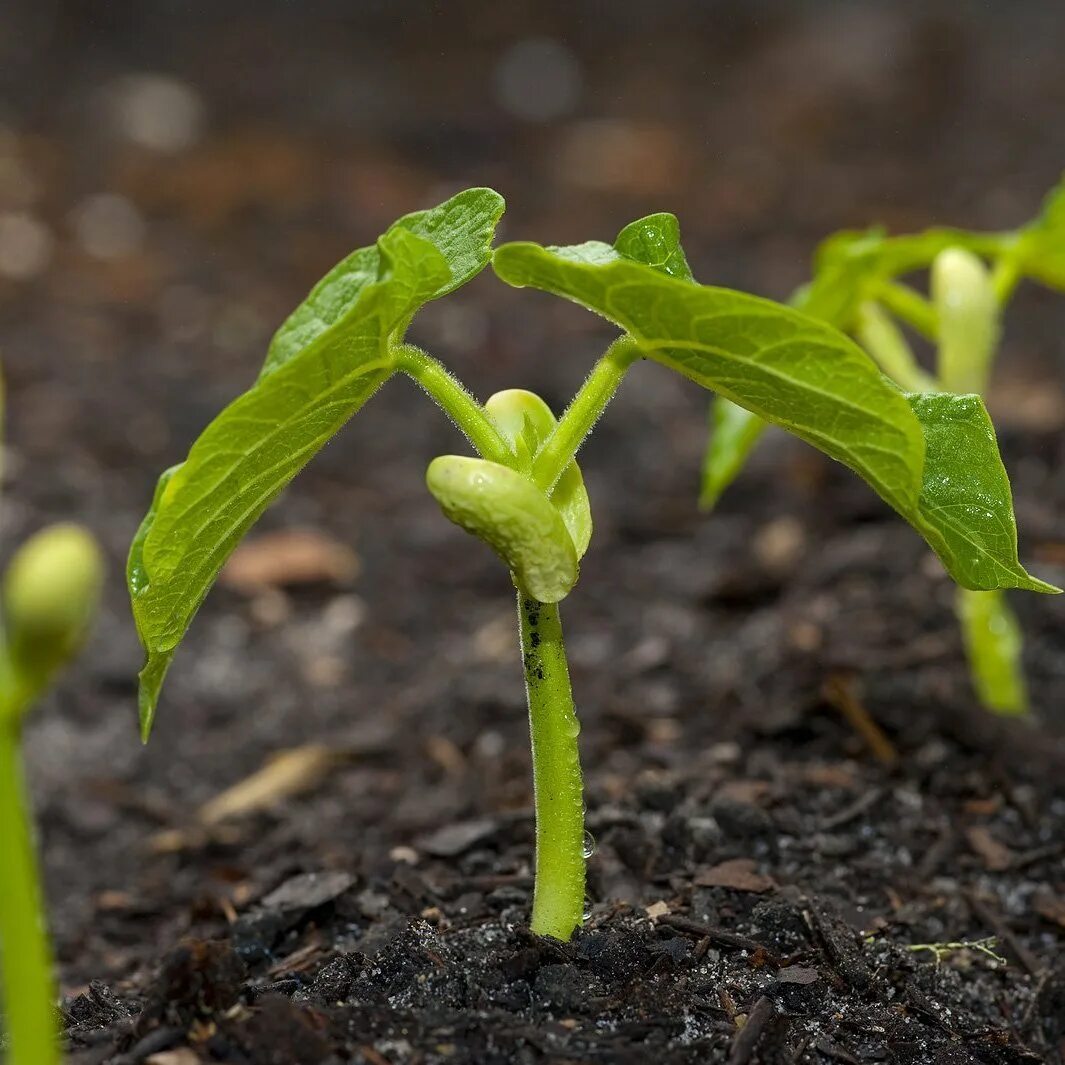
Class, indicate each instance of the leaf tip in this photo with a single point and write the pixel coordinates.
(151, 679)
(655, 241)
(1034, 584)
(497, 199)
(145, 711)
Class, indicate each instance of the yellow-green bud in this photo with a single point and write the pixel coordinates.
(967, 315)
(526, 421)
(50, 592)
(521, 416)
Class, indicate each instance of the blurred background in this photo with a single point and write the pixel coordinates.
(174, 177)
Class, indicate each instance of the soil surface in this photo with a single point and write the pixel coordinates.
(811, 846)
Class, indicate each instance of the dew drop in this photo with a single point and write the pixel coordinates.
(588, 846)
(587, 913)
(138, 579)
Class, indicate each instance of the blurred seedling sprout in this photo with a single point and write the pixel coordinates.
(49, 596)
(930, 456)
(857, 286)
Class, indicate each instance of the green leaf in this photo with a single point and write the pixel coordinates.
(329, 358)
(994, 647)
(808, 378)
(850, 264)
(733, 434)
(1040, 250)
(782, 365)
(461, 229)
(655, 240)
(966, 508)
(850, 267)
(844, 265)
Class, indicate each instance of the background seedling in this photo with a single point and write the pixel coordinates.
(939, 951)
(50, 590)
(856, 287)
(932, 457)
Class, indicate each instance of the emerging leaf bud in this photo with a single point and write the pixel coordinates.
(968, 319)
(521, 416)
(526, 421)
(50, 592)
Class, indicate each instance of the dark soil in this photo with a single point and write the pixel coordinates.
(789, 783)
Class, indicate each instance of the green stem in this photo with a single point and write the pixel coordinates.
(1005, 277)
(455, 401)
(558, 895)
(994, 646)
(877, 333)
(25, 956)
(583, 412)
(27, 986)
(910, 306)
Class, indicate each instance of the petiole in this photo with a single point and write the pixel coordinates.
(908, 305)
(583, 412)
(450, 395)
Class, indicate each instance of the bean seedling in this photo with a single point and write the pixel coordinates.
(49, 595)
(933, 457)
(856, 287)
